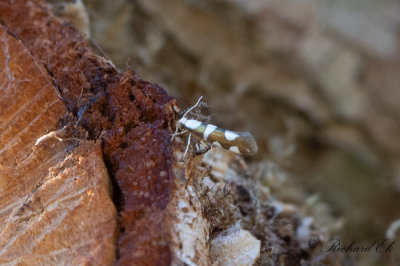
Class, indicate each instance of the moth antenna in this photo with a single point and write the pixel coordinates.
(190, 109)
(194, 106)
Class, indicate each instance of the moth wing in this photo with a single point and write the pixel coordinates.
(249, 141)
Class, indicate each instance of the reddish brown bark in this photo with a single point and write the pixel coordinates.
(130, 116)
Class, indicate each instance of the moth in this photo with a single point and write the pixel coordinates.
(237, 142)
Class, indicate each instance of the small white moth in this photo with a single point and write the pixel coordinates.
(237, 142)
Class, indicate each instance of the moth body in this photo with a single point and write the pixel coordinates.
(237, 142)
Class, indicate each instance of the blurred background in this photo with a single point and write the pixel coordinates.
(315, 81)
